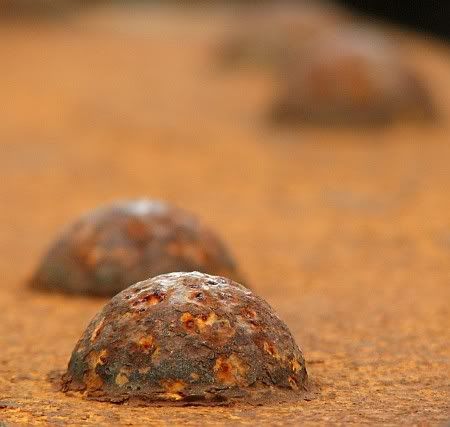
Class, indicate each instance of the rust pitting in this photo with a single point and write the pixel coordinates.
(117, 245)
(151, 299)
(182, 352)
(231, 370)
(146, 343)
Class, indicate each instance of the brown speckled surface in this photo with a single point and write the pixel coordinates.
(346, 234)
(187, 339)
(114, 246)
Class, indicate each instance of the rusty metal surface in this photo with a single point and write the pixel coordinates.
(330, 70)
(115, 246)
(187, 338)
(345, 233)
(351, 76)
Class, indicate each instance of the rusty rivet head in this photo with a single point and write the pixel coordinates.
(158, 342)
(117, 245)
(350, 76)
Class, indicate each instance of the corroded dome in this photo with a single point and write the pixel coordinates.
(114, 246)
(351, 76)
(187, 338)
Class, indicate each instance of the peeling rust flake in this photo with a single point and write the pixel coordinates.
(179, 352)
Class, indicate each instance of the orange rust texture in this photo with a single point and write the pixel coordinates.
(202, 357)
(126, 242)
(230, 370)
(345, 234)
